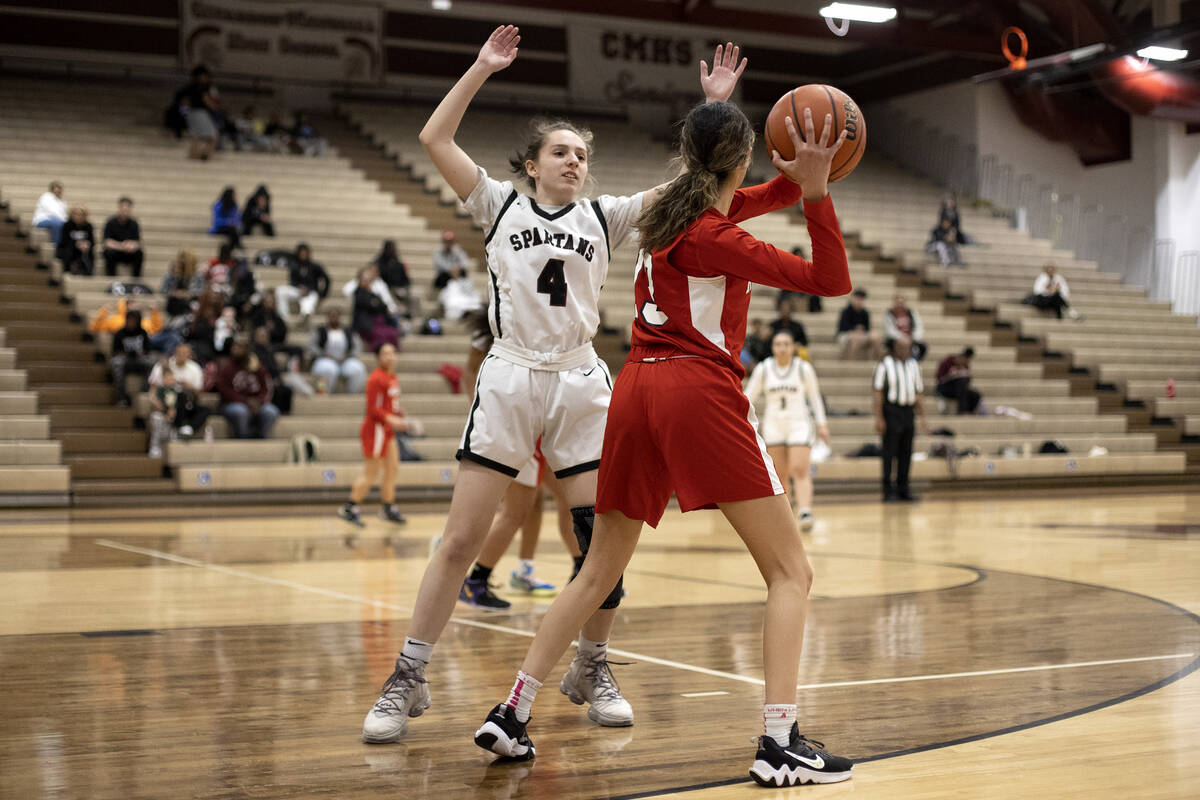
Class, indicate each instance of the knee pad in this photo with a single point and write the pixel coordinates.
(614, 597)
(584, 518)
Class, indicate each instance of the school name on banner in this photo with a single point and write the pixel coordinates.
(632, 67)
(318, 42)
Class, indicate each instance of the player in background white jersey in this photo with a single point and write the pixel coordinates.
(547, 259)
(793, 418)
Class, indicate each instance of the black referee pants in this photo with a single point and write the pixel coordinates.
(899, 427)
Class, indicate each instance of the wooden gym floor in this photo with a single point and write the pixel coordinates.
(986, 648)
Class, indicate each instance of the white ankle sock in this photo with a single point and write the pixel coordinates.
(777, 723)
(522, 694)
(525, 566)
(805, 510)
(418, 650)
(590, 649)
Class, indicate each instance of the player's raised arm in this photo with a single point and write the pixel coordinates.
(718, 85)
(438, 134)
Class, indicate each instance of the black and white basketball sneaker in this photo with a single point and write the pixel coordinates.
(802, 761)
(503, 735)
(352, 514)
(389, 513)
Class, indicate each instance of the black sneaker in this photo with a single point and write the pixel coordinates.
(503, 735)
(351, 514)
(389, 513)
(477, 593)
(802, 761)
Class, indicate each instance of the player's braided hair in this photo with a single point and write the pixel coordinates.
(715, 140)
(535, 140)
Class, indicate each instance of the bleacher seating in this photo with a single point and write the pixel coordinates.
(343, 215)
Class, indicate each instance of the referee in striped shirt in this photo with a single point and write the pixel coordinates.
(898, 390)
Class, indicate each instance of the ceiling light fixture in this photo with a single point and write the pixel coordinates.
(1162, 53)
(440, 5)
(858, 13)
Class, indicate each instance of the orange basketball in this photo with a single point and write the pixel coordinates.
(822, 100)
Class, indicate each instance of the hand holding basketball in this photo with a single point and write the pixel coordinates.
(718, 84)
(810, 165)
(500, 49)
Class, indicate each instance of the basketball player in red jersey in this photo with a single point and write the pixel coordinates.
(383, 421)
(680, 423)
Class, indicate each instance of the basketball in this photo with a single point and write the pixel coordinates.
(822, 100)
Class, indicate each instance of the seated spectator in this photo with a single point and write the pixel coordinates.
(1051, 293)
(201, 331)
(51, 211)
(281, 394)
(371, 272)
(258, 213)
(333, 349)
(123, 241)
(76, 243)
(757, 345)
(218, 273)
(786, 323)
(449, 261)
(954, 381)
(280, 136)
(181, 286)
(902, 322)
(854, 332)
(943, 240)
(266, 316)
(226, 220)
(949, 211)
(308, 283)
(394, 273)
(245, 389)
(306, 137)
(252, 132)
(187, 381)
(225, 330)
(162, 339)
(130, 354)
(199, 105)
(372, 322)
(460, 297)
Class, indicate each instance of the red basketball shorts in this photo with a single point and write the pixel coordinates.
(680, 426)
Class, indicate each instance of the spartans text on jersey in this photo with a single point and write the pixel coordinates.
(532, 237)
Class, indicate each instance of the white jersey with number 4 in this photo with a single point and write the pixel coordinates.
(546, 267)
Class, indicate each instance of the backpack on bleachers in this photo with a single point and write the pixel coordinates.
(280, 259)
(123, 288)
(305, 449)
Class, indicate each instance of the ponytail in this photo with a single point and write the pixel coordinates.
(716, 139)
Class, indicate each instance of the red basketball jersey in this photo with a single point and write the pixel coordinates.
(693, 296)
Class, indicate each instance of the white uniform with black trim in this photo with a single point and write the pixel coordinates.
(546, 267)
(793, 409)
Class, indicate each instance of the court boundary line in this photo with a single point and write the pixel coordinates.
(641, 657)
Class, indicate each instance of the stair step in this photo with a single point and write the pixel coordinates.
(141, 487)
(65, 373)
(74, 394)
(81, 352)
(30, 294)
(94, 418)
(10, 276)
(35, 312)
(113, 466)
(48, 331)
(109, 442)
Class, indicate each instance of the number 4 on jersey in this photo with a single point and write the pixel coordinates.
(553, 281)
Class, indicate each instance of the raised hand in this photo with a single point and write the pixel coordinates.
(810, 166)
(718, 84)
(500, 49)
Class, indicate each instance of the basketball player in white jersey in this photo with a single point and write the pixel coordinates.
(547, 256)
(793, 417)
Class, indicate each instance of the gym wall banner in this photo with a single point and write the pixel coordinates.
(317, 42)
(632, 67)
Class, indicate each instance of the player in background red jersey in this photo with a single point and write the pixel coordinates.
(381, 459)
